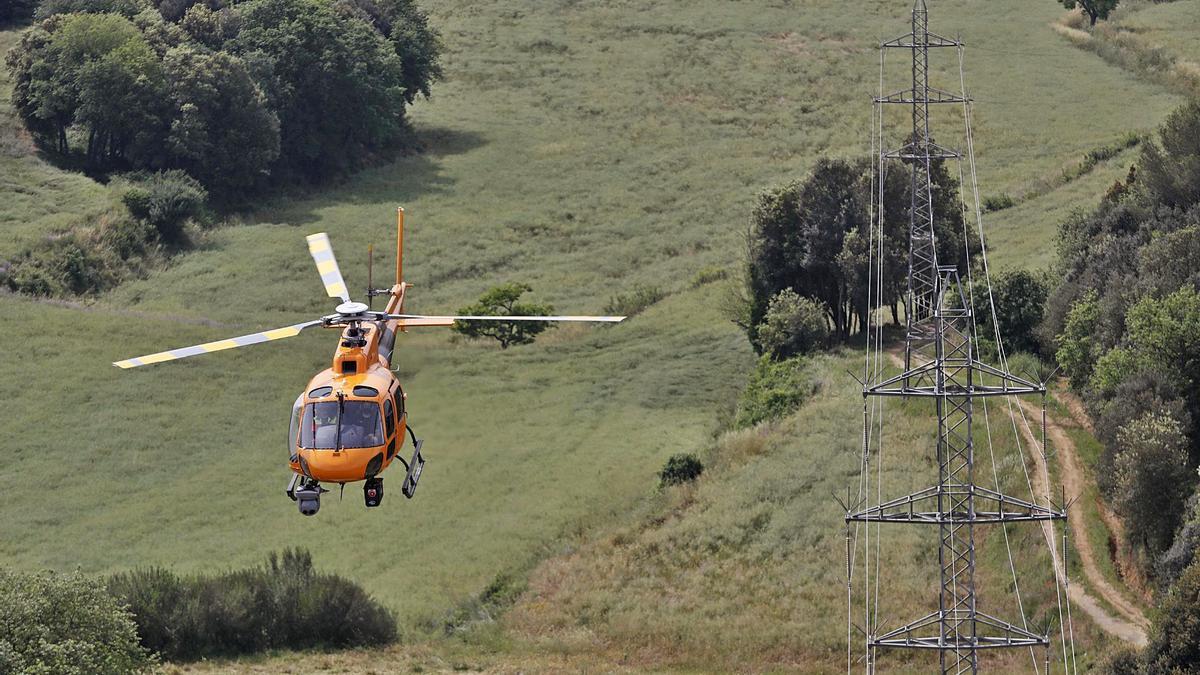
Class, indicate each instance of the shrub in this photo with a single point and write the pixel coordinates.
(776, 388)
(1175, 637)
(65, 624)
(998, 202)
(635, 301)
(284, 604)
(708, 275)
(1076, 344)
(680, 468)
(166, 200)
(1151, 479)
(793, 326)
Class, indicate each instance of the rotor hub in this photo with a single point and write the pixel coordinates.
(352, 308)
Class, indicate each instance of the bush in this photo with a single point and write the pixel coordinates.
(285, 604)
(65, 624)
(708, 275)
(1175, 637)
(681, 468)
(635, 301)
(998, 202)
(1151, 479)
(793, 326)
(166, 200)
(776, 388)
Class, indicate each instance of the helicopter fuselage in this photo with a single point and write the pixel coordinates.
(350, 421)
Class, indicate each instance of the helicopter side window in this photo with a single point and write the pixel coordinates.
(388, 417)
(399, 398)
(357, 426)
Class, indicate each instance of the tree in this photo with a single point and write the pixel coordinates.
(812, 236)
(416, 42)
(335, 83)
(1175, 636)
(68, 624)
(16, 10)
(1152, 479)
(222, 131)
(793, 326)
(1019, 298)
(95, 71)
(504, 300)
(1077, 351)
(1170, 167)
(1095, 9)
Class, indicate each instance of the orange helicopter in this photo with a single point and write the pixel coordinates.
(350, 421)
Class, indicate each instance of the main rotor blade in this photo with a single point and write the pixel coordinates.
(331, 276)
(194, 350)
(458, 317)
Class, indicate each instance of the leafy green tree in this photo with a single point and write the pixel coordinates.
(1095, 9)
(1152, 479)
(126, 8)
(335, 83)
(65, 624)
(1019, 297)
(222, 131)
(812, 236)
(1175, 636)
(793, 326)
(16, 10)
(416, 42)
(504, 300)
(1170, 166)
(1077, 351)
(95, 71)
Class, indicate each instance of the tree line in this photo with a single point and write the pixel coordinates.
(236, 96)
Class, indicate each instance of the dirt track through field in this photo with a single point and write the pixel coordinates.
(1131, 624)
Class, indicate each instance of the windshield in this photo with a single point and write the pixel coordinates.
(360, 425)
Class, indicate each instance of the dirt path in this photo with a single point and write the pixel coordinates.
(1132, 624)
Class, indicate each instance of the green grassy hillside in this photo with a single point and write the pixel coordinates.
(582, 147)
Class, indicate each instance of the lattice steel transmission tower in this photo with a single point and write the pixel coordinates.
(941, 365)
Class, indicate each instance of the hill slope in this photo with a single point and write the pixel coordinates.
(582, 147)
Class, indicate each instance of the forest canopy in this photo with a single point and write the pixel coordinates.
(237, 96)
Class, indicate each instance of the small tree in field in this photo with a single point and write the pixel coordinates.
(1095, 9)
(503, 301)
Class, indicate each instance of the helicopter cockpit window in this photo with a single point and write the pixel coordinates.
(362, 390)
(319, 392)
(357, 426)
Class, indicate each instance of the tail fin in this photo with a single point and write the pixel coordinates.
(399, 244)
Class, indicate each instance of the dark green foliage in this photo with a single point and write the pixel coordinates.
(166, 200)
(66, 625)
(1170, 167)
(681, 468)
(811, 236)
(500, 594)
(12, 11)
(222, 91)
(793, 326)
(285, 604)
(1175, 636)
(223, 132)
(1095, 9)
(336, 84)
(998, 202)
(1019, 298)
(633, 302)
(1151, 479)
(504, 300)
(775, 389)
(1182, 553)
(128, 8)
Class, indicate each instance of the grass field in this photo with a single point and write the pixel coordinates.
(583, 148)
